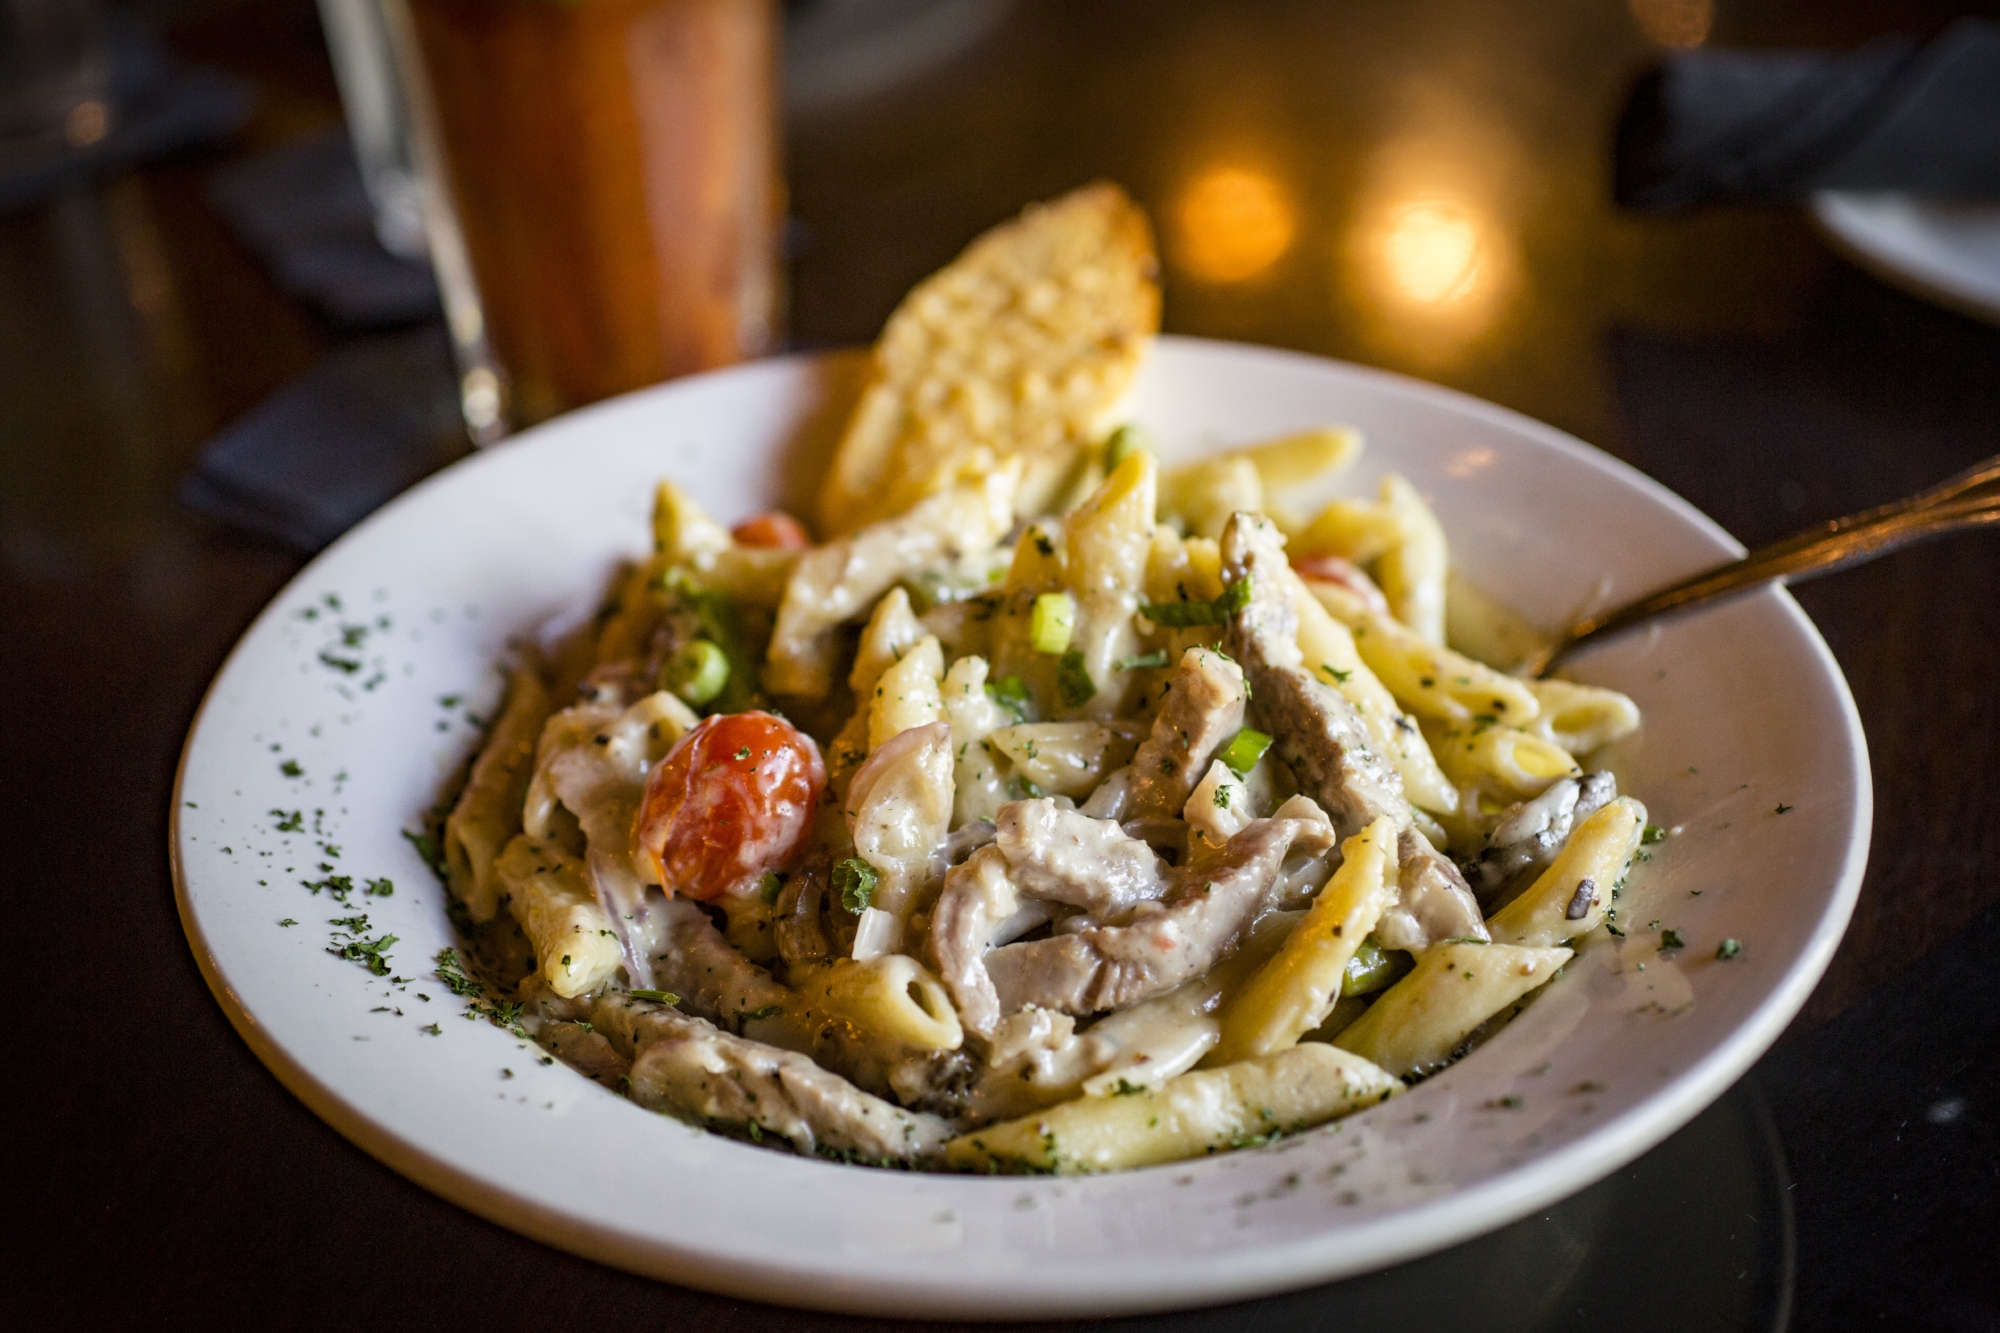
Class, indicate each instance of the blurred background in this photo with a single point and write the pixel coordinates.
(217, 350)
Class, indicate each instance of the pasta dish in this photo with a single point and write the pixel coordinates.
(1061, 811)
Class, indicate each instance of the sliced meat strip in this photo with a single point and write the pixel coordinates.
(1201, 920)
(694, 961)
(1433, 901)
(978, 897)
(1316, 730)
(1202, 710)
(962, 843)
(1266, 630)
(690, 1068)
(1065, 856)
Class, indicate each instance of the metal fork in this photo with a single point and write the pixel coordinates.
(1969, 500)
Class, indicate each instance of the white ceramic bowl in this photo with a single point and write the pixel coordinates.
(1745, 712)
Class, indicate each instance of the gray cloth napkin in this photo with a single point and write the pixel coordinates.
(321, 454)
(302, 208)
(1919, 117)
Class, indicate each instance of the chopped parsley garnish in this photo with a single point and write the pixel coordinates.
(380, 888)
(290, 768)
(288, 922)
(1127, 1089)
(1727, 950)
(1671, 939)
(1783, 808)
(433, 1029)
(743, 752)
(854, 881)
(427, 848)
(768, 1011)
(1221, 797)
(1651, 834)
(1335, 672)
(1011, 693)
(502, 1015)
(656, 996)
(1073, 680)
(290, 823)
(451, 971)
(371, 954)
(1141, 662)
(337, 886)
(1184, 615)
(770, 887)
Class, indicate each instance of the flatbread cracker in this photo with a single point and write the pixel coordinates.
(1021, 346)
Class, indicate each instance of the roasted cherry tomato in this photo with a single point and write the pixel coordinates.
(734, 798)
(1334, 569)
(775, 530)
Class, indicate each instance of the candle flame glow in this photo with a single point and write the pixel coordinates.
(1232, 224)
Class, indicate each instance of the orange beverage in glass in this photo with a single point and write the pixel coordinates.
(613, 165)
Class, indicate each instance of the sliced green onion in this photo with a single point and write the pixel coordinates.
(1073, 680)
(1157, 658)
(1372, 968)
(1124, 441)
(854, 880)
(1053, 621)
(1243, 753)
(697, 672)
(1183, 615)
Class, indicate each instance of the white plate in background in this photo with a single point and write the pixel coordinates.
(328, 718)
(1948, 253)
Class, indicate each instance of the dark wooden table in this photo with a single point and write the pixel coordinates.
(161, 1177)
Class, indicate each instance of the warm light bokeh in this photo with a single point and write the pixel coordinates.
(1427, 261)
(1431, 252)
(1232, 223)
(1676, 23)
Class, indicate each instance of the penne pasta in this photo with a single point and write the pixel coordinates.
(488, 812)
(1295, 991)
(1582, 718)
(1572, 897)
(1453, 989)
(1200, 1112)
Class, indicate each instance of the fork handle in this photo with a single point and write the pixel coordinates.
(1969, 500)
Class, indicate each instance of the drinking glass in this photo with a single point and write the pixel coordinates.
(601, 192)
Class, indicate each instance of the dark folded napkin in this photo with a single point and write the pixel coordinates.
(1919, 117)
(302, 207)
(159, 106)
(317, 457)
